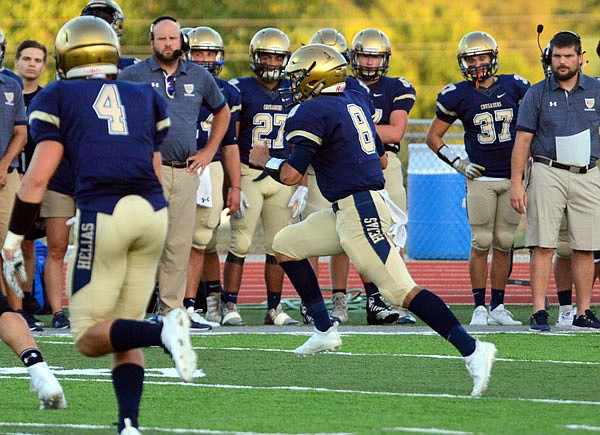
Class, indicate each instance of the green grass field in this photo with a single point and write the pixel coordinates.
(383, 380)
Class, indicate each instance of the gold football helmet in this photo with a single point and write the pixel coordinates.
(316, 69)
(206, 38)
(371, 42)
(2, 47)
(86, 46)
(109, 11)
(333, 38)
(269, 41)
(474, 44)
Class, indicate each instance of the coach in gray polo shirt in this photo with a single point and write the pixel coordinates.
(13, 135)
(558, 125)
(185, 86)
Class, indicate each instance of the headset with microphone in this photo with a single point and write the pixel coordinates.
(546, 53)
(185, 40)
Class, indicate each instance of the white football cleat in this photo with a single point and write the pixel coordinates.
(479, 365)
(45, 384)
(501, 316)
(231, 315)
(175, 336)
(129, 429)
(320, 342)
(480, 316)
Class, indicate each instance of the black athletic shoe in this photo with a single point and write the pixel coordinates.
(587, 320)
(378, 313)
(539, 321)
(30, 321)
(60, 321)
(306, 317)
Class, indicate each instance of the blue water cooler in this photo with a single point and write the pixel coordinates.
(437, 220)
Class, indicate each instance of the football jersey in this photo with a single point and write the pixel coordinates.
(12, 75)
(337, 132)
(109, 131)
(262, 117)
(489, 118)
(232, 96)
(391, 94)
(124, 62)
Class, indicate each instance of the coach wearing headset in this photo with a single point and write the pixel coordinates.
(186, 87)
(558, 124)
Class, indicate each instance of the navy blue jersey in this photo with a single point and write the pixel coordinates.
(352, 83)
(12, 75)
(109, 131)
(124, 62)
(489, 117)
(391, 94)
(262, 117)
(233, 98)
(336, 134)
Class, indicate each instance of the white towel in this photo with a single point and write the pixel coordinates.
(397, 231)
(204, 192)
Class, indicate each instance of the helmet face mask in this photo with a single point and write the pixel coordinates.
(109, 11)
(371, 42)
(477, 44)
(86, 46)
(205, 38)
(316, 69)
(265, 43)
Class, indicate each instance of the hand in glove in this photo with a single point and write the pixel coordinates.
(244, 204)
(14, 264)
(298, 201)
(468, 169)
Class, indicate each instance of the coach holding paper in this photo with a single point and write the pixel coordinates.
(558, 124)
(185, 86)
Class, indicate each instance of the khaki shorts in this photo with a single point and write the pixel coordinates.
(359, 228)
(553, 191)
(112, 272)
(55, 205)
(492, 219)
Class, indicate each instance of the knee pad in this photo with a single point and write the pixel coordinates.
(481, 240)
(563, 250)
(503, 240)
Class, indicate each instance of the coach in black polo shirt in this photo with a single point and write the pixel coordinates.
(558, 125)
(185, 86)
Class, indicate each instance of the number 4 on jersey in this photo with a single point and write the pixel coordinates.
(108, 106)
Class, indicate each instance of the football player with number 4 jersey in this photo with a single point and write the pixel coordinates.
(110, 132)
(487, 104)
(332, 130)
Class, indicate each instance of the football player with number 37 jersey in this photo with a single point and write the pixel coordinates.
(487, 104)
(331, 130)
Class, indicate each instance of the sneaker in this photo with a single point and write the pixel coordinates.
(306, 317)
(565, 317)
(378, 312)
(501, 316)
(199, 322)
(276, 316)
(60, 321)
(320, 342)
(339, 311)
(33, 326)
(129, 429)
(479, 317)
(406, 317)
(231, 315)
(46, 386)
(175, 336)
(587, 320)
(539, 321)
(213, 308)
(479, 365)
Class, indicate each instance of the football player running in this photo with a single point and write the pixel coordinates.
(393, 98)
(110, 132)
(487, 105)
(331, 130)
(207, 49)
(261, 121)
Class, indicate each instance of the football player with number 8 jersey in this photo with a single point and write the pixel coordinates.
(487, 104)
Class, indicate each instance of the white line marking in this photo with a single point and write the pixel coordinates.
(425, 430)
(583, 427)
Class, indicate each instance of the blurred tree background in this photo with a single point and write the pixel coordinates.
(424, 33)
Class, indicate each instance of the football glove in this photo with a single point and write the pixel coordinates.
(14, 264)
(244, 204)
(298, 201)
(468, 169)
